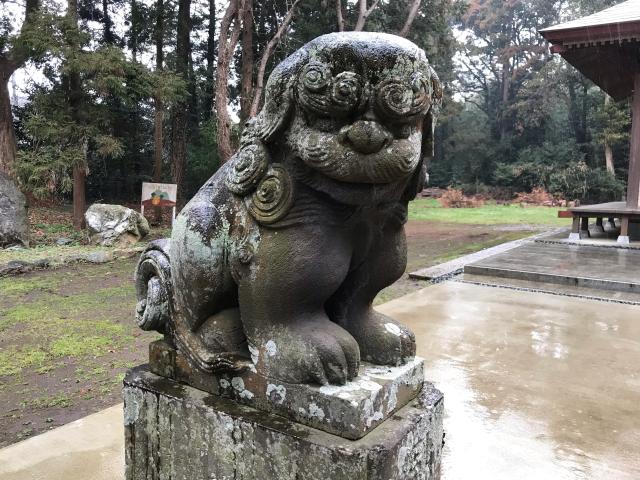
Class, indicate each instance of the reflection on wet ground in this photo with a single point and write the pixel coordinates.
(536, 386)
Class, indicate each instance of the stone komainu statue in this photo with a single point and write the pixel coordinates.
(275, 262)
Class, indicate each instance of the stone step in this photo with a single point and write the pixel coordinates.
(577, 266)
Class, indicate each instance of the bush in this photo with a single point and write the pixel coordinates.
(591, 185)
(538, 196)
(454, 198)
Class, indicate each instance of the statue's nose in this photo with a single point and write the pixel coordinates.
(366, 136)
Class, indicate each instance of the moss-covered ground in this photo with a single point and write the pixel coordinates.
(66, 338)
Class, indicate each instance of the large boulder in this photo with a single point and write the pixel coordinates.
(111, 225)
(14, 223)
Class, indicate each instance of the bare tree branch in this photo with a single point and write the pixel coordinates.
(364, 13)
(268, 50)
(246, 85)
(227, 41)
(411, 16)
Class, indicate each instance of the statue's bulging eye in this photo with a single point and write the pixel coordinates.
(347, 92)
(401, 99)
(327, 96)
(316, 77)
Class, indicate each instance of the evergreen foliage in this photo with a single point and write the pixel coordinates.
(515, 116)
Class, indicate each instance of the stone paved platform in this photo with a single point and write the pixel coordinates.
(565, 264)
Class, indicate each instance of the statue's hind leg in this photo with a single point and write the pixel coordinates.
(202, 285)
(382, 340)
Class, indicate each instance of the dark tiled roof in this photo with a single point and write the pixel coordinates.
(628, 11)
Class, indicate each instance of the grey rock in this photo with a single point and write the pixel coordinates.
(63, 241)
(14, 267)
(41, 263)
(14, 223)
(175, 431)
(98, 257)
(115, 225)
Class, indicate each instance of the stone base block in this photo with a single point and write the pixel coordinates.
(349, 411)
(179, 432)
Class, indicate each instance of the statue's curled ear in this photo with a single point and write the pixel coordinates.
(419, 179)
(278, 106)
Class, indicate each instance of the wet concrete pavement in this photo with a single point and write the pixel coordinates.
(91, 448)
(536, 386)
(584, 266)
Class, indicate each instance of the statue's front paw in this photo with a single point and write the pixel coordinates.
(318, 352)
(382, 340)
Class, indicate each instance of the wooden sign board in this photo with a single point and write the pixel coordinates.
(159, 195)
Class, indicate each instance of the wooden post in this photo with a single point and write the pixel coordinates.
(633, 185)
(624, 231)
(584, 227)
(575, 229)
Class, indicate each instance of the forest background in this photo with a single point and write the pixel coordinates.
(99, 96)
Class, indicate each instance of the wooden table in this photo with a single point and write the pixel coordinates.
(611, 210)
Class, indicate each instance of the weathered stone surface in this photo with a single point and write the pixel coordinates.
(280, 254)
(14, 223)
(111, 225)
(349, 410)
(178, 432)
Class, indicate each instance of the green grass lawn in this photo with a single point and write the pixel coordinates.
(490, 214)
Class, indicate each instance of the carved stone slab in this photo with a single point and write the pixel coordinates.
(176, 431)
(350, 410)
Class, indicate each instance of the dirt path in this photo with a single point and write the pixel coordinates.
(67, 336)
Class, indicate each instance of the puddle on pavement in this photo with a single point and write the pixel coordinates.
(536, 385)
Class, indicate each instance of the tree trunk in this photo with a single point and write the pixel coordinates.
(10, 61)
(257, 96)
(7, 134)
(79, 201)
(339, 15)
(246, 86)
(107, 33)
(134, 31)
(608, 151)
(227, 42)
(179, 120)
(210, 57)
(158, 120)
(159, 107)
(74, 92)
(504, 97)
(411, 16)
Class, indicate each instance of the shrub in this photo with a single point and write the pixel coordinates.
(580, 182)
(538, 196)
(454, 198)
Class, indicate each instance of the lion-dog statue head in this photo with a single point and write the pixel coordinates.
(348, 108)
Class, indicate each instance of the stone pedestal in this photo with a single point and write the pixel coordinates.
(349, 411)
(179, 432)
